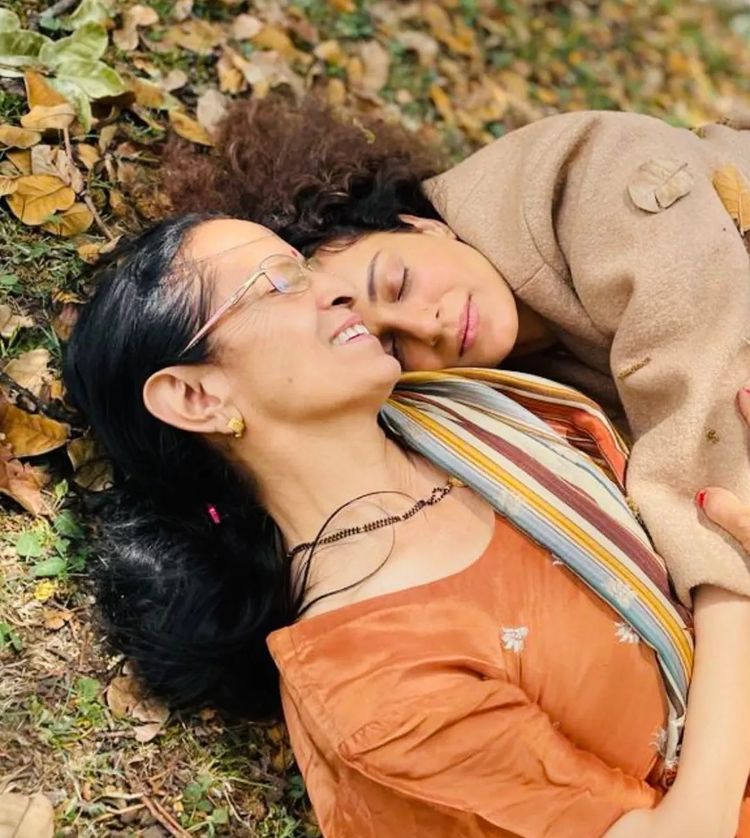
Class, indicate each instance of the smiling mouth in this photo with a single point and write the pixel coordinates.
(350, 333)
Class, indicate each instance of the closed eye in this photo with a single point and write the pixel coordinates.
(405, 285)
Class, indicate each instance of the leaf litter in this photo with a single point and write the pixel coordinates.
(89, 91)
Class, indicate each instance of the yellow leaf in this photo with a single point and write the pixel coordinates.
(229, 69)
(88, 155)
(46, 117)
(73, 221)
(21, 161)
(28, 434)
(7, 185)
(442, 102)
(45, 590)
(188, 128)
(10, 323)
(38, 92)
(14, 137)
(734, 192)
(658, 183)
(39, 196)
(26, 817)
(30, 369)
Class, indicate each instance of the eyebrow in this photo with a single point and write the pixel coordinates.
(371, 278)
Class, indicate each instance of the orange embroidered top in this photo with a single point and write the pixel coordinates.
(503, 700)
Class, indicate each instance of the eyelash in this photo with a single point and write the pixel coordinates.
(405, 283)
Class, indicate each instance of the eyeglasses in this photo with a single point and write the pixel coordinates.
(287, 274)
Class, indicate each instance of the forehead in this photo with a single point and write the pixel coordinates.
(232, 248)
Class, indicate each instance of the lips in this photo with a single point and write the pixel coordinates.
(468, 326)
(354, 320)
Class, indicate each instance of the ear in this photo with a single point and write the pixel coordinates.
(191, 397)
(429, 226)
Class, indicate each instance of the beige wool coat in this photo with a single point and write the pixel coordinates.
(646, 280)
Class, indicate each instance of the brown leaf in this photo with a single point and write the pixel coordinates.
(22, 482)
(195, 35)
(38, 92)
(211, 109)
(55, 619)
(66, 318)
(126, 38)
(46, 117)
(15, 137)
(72, 222)
(10, 322)
(125, 699)
(187, 128)
(87, 154)
(376, 61)
(734, 192)
(30, 370)
(658, 183)
(423, 44)
(92, 470)
(22, 816)
(7, 185)
(245, 27)
(39, 196)
(29, 434)
(174, 80)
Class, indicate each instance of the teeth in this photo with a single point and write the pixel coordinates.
(348, 334)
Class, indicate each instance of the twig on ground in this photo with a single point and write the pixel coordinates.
(97, 218)
(114, 813)
(164, 818)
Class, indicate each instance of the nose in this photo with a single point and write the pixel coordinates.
(419, 323)
(331, 290)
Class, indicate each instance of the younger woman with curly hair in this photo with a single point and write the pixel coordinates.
(595, 248)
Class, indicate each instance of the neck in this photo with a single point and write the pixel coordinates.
(534, 332)
(301, 483)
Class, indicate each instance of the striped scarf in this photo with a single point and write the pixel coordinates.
(548, 459)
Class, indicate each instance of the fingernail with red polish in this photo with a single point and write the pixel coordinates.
(700, 498)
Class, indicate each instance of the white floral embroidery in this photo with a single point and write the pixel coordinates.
(659, 741)
(626, 634)
(514, 638)
(622, 593)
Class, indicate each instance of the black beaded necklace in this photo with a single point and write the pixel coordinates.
(435, 496)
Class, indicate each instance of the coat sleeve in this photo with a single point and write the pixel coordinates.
(672, 291)
(484, 752)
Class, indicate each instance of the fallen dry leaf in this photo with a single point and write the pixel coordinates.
(195, 35)
(20, 161)
(38, 92)
(91, 469)
(74, 221)
(188, 128)
(126, 38)
(211, 109)
(47, 117)
(14, 137)
(230, 71)
(22, 482)
(22, 816)
(10, 322)
(423, 44)
(37, 197)
(30, 434)
(442, 103)
(7, 185)
(174, 80)
(54, 618)
(245, 27)
(125, 699)
(145, 733)
(66, 318)
(376, 62)
(87, 154)
(734, 192)
(30, 369)
(658, 183)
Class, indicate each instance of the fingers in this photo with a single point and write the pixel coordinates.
(743, 402)
(727, 511)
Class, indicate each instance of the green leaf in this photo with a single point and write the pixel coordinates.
(73, 93)
(21, 48)
(29, 545)
(9, 637)
(87, 43)
(94, 78)
(88, 689)
(89, 11)
(50, 567)
(8, 281)
(66, 525)
(220, 815)
(9, 21)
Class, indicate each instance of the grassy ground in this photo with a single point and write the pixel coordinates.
(460, 72)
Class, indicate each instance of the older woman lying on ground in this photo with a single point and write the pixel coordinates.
(473, 633)
(604, 241)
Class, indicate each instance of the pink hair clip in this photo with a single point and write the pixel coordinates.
(213, 513)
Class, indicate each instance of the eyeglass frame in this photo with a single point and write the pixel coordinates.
(232, 301)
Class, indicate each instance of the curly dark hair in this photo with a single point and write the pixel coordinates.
(312, 175)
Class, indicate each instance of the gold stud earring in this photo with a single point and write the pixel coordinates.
(237, 426)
